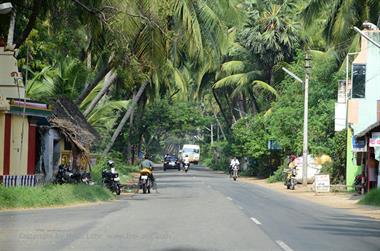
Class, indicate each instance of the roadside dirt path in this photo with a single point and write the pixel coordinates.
(339, 200)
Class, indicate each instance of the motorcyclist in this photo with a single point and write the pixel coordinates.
(146, 166)
(186, 159)
(234, 162)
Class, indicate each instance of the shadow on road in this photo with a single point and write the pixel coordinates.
(354, 226)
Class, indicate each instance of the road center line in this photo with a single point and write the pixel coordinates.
(229, 198)
(255, 221)
(283, 245)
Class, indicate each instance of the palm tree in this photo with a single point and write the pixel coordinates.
(340, 17)
(270, 35)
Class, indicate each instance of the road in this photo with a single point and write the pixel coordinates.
(200, 210)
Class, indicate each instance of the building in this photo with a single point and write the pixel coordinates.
(35, 138)
(20, 119)
(363, 115)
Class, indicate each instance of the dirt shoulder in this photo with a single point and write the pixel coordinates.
(340, 200)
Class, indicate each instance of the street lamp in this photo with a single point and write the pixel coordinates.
(366, 36)
(6, 8)
(305, 115)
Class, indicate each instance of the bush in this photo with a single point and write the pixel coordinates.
(372, 198)
(278, 175)
(121, 166)
(51, 195)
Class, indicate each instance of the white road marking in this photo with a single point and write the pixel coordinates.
(240, 207)
(284, 246)
(255, 221)
(229, 198)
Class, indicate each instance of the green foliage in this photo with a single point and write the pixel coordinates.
(221, 154)
(278, 175)
(51, 195)
(372, 198)
(251, 136)
(121, 165)
(270, 35)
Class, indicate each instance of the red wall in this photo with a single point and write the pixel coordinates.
(7, 144)
(32, 150)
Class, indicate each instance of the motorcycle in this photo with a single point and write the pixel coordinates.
(186, 166)
(290, 180)
(146, 180)
(234, 171)
(360, 184)
(111, 180)
(65, 175)
(86, 179)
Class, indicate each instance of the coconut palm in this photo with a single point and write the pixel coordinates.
(270, 35)
(340, 17)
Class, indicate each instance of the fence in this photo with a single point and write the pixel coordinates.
(19, 180)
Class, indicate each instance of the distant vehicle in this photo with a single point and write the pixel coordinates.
(172, 161)
(193, 151)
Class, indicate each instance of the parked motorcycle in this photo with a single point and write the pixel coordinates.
(360, 184)
(111, 178)
(290, 180)
(65, 175)
(146, 180)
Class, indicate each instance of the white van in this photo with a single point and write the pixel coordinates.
(193, 151)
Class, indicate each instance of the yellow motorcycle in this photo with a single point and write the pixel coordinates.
(146, 180)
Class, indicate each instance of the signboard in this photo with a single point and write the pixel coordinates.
(322, 183)
(374, 141)
(273, 145)
(358, 145)
(340, 116)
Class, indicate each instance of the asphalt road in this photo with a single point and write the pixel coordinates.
(200, 210)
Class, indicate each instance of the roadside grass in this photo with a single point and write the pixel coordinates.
(372, 198)
(51, 195)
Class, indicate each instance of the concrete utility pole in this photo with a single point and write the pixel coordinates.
(305, 119)
(212, 134)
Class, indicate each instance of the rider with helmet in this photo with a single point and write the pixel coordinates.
(146, 166)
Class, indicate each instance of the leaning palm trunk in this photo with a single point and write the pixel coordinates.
(108, 80)
(126, 116)
(99, 76)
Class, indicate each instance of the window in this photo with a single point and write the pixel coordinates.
(358, 80)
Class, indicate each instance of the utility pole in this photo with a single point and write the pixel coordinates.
(305, 119)
(212, 134)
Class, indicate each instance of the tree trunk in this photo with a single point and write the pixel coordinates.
(220, 126)
(108, 80)
(125, 117)
(130, 133)
(220, 107)
(99, 76)
(88, 60)
(32, 20)
(230, 107)
(255, 106)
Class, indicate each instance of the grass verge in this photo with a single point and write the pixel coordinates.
(372, 198)
(51, 195)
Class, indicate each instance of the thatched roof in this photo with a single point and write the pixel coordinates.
(69, 120)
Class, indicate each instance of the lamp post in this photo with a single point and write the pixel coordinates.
(6, 8)
(306, 113)
(367, 37)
